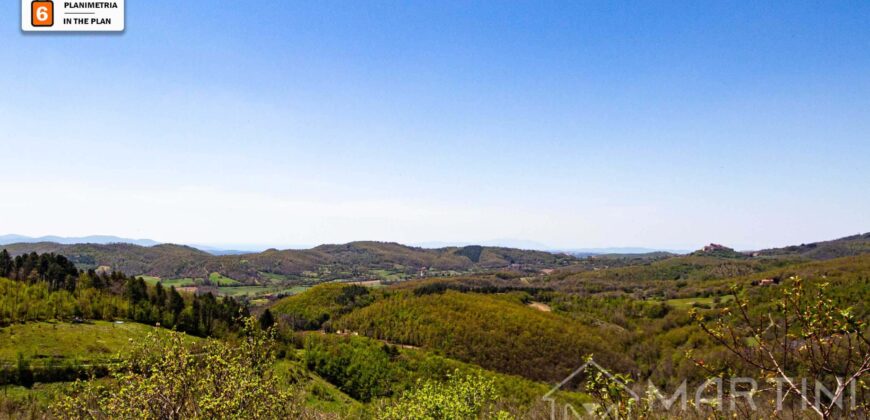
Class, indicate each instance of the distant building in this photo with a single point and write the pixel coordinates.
(715, 247)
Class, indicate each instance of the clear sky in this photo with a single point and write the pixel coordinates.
(573, 124)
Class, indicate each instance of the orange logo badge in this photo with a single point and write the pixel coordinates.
(42, 13)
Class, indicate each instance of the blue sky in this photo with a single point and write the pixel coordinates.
(572, 124)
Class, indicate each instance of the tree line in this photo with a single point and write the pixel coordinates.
(56, 270)
(49, 286)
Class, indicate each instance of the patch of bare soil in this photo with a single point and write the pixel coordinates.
(543, 307)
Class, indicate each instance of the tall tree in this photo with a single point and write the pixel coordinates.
(176, 302)
(5, 263)
(158, 298)
(136, 290)
(266, 320)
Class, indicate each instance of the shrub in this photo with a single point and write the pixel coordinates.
(167, 379)
(460, 397)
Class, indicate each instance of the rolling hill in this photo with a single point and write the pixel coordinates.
(390, 261)
(356, 260)
(168, 260)
(497, 332)
(91, 239)
(825, 250)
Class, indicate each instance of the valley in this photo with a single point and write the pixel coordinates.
(352, 345)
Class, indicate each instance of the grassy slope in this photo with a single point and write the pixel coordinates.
(318, 393)
(221, 280)
(100, 341)
(91, 341)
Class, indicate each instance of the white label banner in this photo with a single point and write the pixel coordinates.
(72, 16)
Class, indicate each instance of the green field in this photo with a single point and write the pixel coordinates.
(230, 287)
(186, 281)
(52, 340)
(221, 280)
(687, 303)
(214, 278)
(151, 279)
(276, 278)
(253, 291)
(389, 275)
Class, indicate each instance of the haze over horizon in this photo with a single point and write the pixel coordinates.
(236, 248)
(649, 125)
(104, 239)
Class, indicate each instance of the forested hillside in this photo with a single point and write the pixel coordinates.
(170, 260)
(495, 332)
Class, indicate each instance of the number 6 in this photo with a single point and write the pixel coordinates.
(42, 13)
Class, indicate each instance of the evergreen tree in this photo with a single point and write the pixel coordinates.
(175, 302)
(266, 320)
(5, 263)
(135, 290)
(159, 296)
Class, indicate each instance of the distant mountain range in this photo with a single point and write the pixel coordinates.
(585, 252)
(355, 260)
(105, 240)
(92, 239)
(217, 250)
(504, 242)
(220, 251)
(360, 260)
